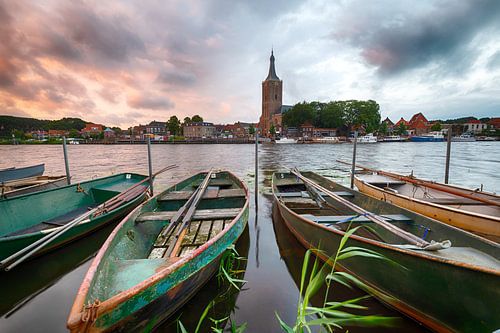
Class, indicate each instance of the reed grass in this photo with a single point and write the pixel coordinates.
(332, 315)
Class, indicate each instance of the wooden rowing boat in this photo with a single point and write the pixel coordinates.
(24, 172)
(451, 289)
(472, 210)
(150, 265)
(17, 187)
(28, 218)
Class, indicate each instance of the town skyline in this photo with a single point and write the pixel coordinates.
(127, 64)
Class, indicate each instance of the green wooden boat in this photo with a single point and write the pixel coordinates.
(453, 289)
(27, 218)
(131, 286)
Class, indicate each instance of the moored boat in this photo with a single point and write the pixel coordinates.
(18, 173)
(28, 218)
(327, 139)
(285, 140)
(465, 137)
(429, 137)
(17, 187)
(393, 138)
(161, 254)
(433, 281)
(473, 210)
(369, 138)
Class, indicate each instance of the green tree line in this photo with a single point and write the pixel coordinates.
(343, 115)
(10, 124)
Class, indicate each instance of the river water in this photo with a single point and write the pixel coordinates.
(37, 296)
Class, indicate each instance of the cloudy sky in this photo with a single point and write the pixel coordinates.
(128, 62)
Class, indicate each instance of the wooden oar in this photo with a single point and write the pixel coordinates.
(409, 237)
(42, 242)
(174, 247)
(428, 184)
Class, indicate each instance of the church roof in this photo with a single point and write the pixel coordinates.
(272, 71)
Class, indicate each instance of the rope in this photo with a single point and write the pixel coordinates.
(89, 313)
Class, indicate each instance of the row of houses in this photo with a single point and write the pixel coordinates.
(418, 124)
(158, 131)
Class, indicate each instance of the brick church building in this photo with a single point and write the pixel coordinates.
(272, 101)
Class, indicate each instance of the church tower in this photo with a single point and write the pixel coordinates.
(272, 98)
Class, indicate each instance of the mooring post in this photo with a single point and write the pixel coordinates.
(256, 168)
(448, 151)
(353, 167)
(66, 162)
(150, 164)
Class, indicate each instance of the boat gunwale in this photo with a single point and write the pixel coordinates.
(445, 207)
(106, 306)
(387, 246)
(73, 184)
(50, 181)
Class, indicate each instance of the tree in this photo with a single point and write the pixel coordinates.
(299, 114)
(197, 119)
(174, 125)
(187, 120)
(330, 115)
(436, 127)
(383, 128)
(401, 129)
(73, 133)
(272, 130)
(251, 129)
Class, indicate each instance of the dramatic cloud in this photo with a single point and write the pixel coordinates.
(126, 62)
(150, 102)
(413, 39)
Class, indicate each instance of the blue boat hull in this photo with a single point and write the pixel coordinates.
(425, 139)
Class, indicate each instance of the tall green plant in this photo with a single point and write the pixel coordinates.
(332, 314)
(229, 270)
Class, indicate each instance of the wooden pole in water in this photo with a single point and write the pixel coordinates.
(150, 164)
(256, 168)
(354, 158)
(66, 162)
(448, 151)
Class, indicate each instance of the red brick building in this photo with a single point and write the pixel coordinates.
(272, 100)
(419, 124)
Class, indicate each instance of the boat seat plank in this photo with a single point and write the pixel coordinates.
(209, 194)
(52, 223)
(201, 214)
(305, 194)
(220, 182)
(339, 218)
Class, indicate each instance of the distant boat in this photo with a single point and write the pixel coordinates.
(369, 138)
(429, 137)
(18, 173)
(17, 187)
(463, 138)
(285, 140)
(161, 254)
(328, 139)
(485, 138)
(392, 138)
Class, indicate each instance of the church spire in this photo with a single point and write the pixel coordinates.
(272, 72)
